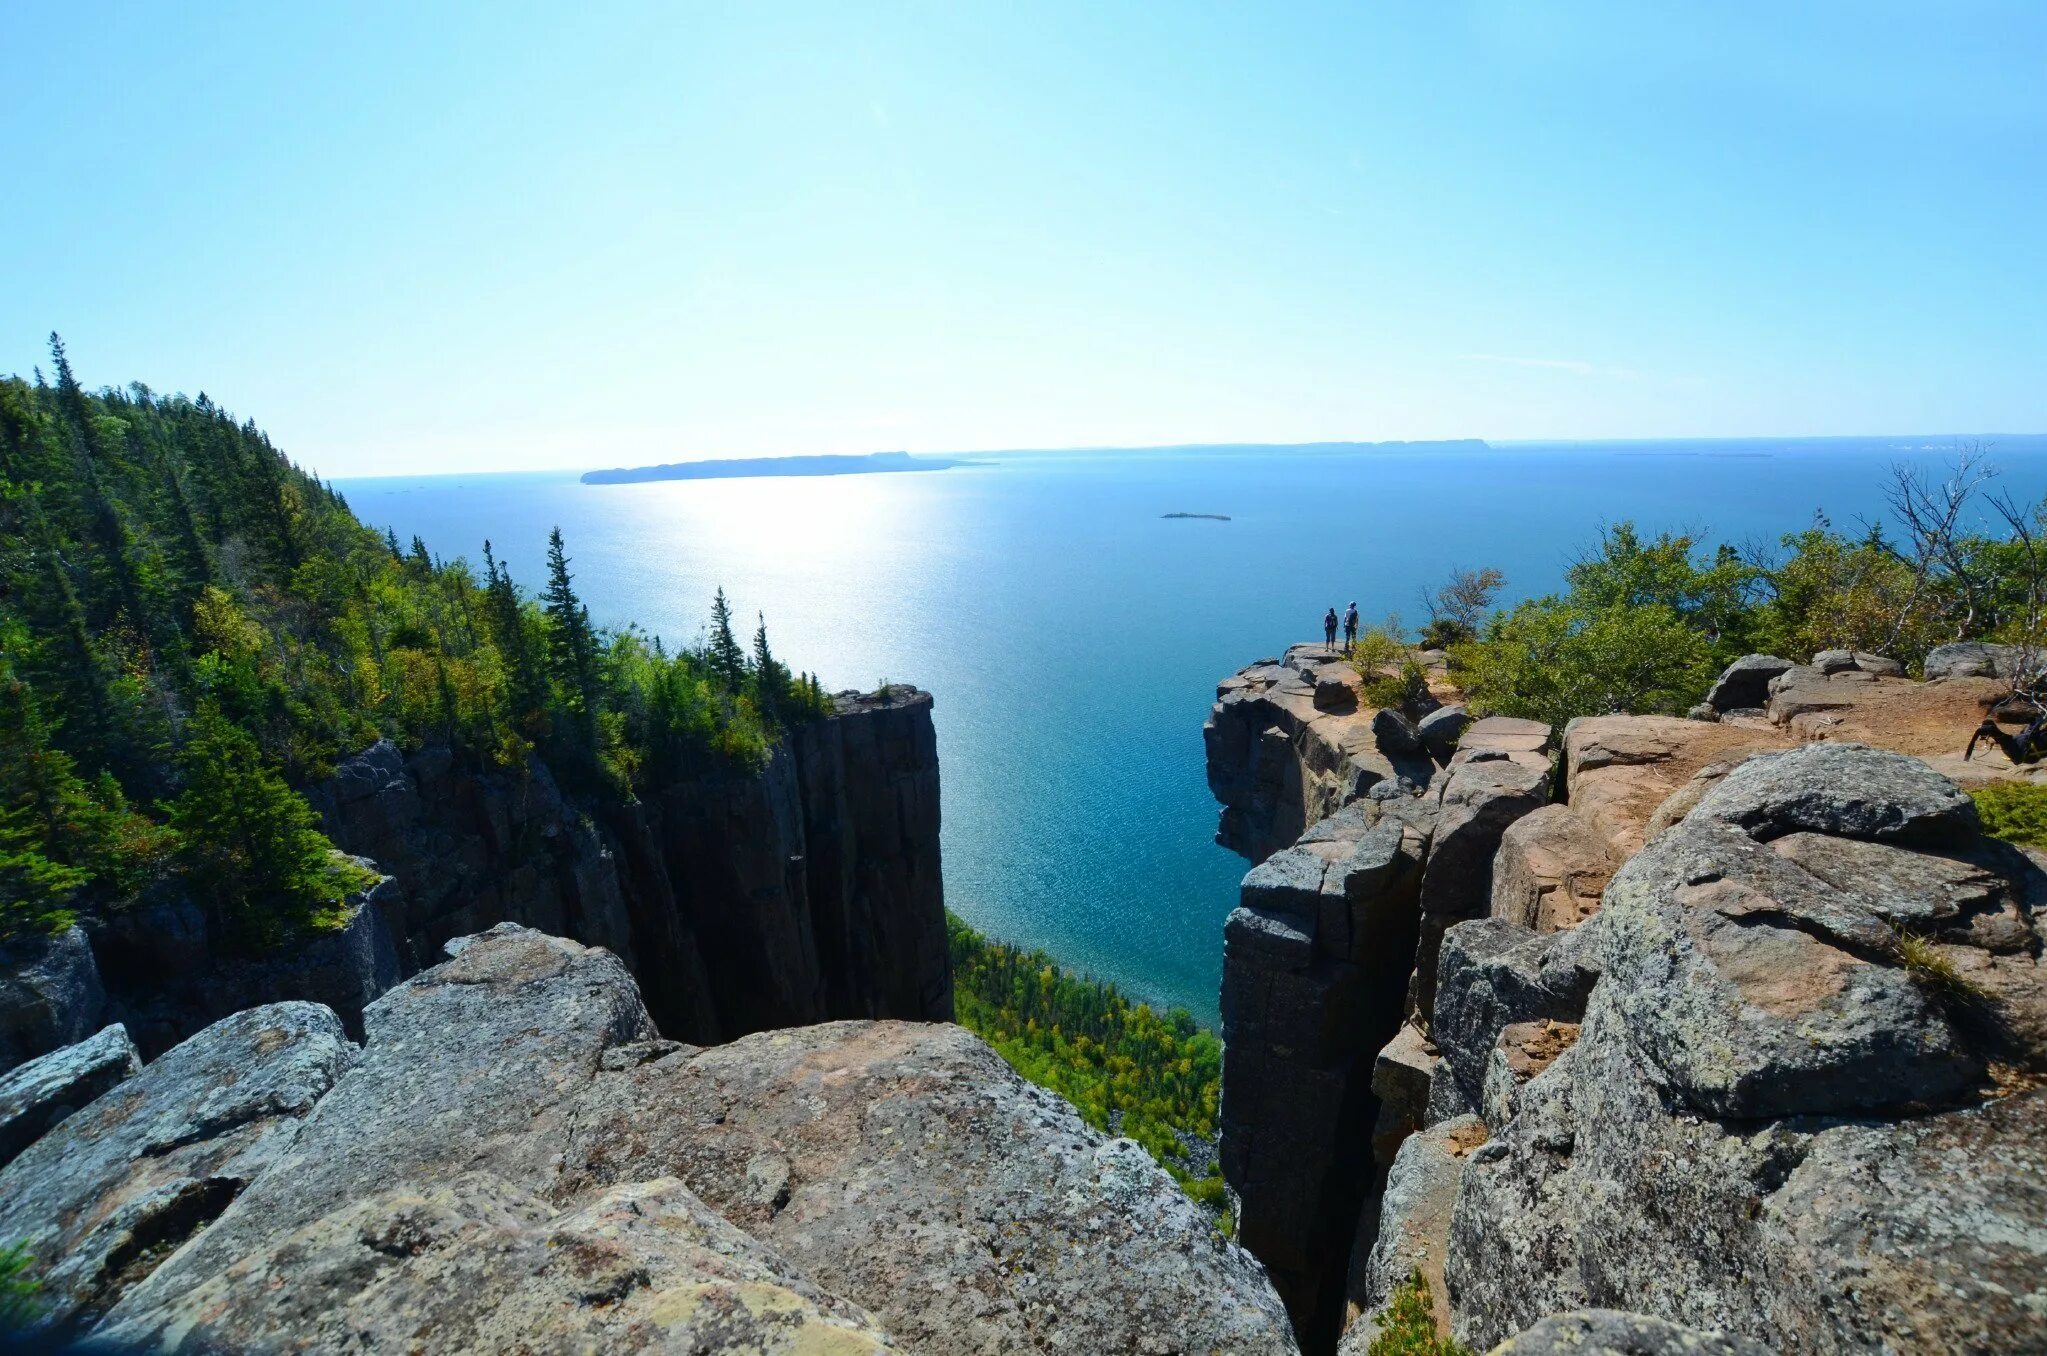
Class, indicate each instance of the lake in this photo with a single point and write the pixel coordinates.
(1073, 636)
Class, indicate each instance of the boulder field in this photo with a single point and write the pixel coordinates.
(1725, 1033)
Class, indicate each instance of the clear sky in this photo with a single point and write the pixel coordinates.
(419, 237)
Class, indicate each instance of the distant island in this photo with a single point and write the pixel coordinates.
(1213, 517)
(743, 467)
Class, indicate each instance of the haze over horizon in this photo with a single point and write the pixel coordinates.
(516, 238)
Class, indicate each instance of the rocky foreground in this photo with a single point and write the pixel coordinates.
(514, 1160)
(1727, 1030)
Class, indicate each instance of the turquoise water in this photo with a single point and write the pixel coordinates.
(1073, 637)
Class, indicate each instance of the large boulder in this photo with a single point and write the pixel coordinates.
(1745, 684)
(1844, 789)
(116, 1187)
(37, 1095)
(1619, 769)
(1551, 869)
(1976, 659)
(1494, 974)
(50, 994)
(850, 1150)
(517, 1159)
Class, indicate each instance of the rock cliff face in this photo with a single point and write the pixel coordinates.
(514, 1159)
(1694, 1032)
(808, 892)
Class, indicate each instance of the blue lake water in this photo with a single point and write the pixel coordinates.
(1073, 637)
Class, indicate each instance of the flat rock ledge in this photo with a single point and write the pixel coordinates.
(514, 1159)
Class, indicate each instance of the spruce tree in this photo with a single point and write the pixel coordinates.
(770, 679)
(391, 545)
(525, 689)
(572, 645)
(727, 661)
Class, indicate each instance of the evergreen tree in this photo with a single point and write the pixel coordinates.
(526, 689)
(572, 647)
(249, 839)
(391, 544)
(770, 679)
(727, 661)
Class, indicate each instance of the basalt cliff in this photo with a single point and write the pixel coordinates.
(1651, 1034)
(809, 891)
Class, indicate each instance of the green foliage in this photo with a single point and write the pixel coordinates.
(1712, 594)
(1391, 675)
(1552, 660)
(18, 1288)
(250, 842)
(2014, 811)
(1408, 1327)
(166, 574)
(1126, 1068)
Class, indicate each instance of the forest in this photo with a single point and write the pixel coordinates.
(192, 628)
(1128, 1068)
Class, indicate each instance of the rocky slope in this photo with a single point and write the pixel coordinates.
(1700, 1031)
(513, 1159)
(808, 892)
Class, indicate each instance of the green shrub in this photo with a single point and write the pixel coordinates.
(18, 1288)
(1408, 1326)
(1551, 660)
(2014, 811)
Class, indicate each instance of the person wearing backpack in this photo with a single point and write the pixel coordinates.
(1329, 629)
(1350, 628)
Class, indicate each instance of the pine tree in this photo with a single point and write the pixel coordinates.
(525, 689)
(249, 839)
(391, 545)
(726, 659)
(572, 645)
(770, 679)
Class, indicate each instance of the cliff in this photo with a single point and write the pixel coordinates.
(1639, 1022)
(808, 892)
(514, 1159)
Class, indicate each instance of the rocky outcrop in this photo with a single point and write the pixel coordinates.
(35, 1096)
(1699, 999)
(1279, 760)
(116, 1188)
(808, 891)
(1977, 659)
(1501, 772)
(1777, 1119)
(1745, 684)
(1315, 966)
(168, 974)
(1551, 868)
(50, 994)
(515, 1158)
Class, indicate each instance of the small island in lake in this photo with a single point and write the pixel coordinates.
(740, 467)
(1212, 517)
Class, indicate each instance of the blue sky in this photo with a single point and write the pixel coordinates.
(438, 237)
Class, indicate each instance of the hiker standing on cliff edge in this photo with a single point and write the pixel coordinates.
(1329, 629)
(1350, 628)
